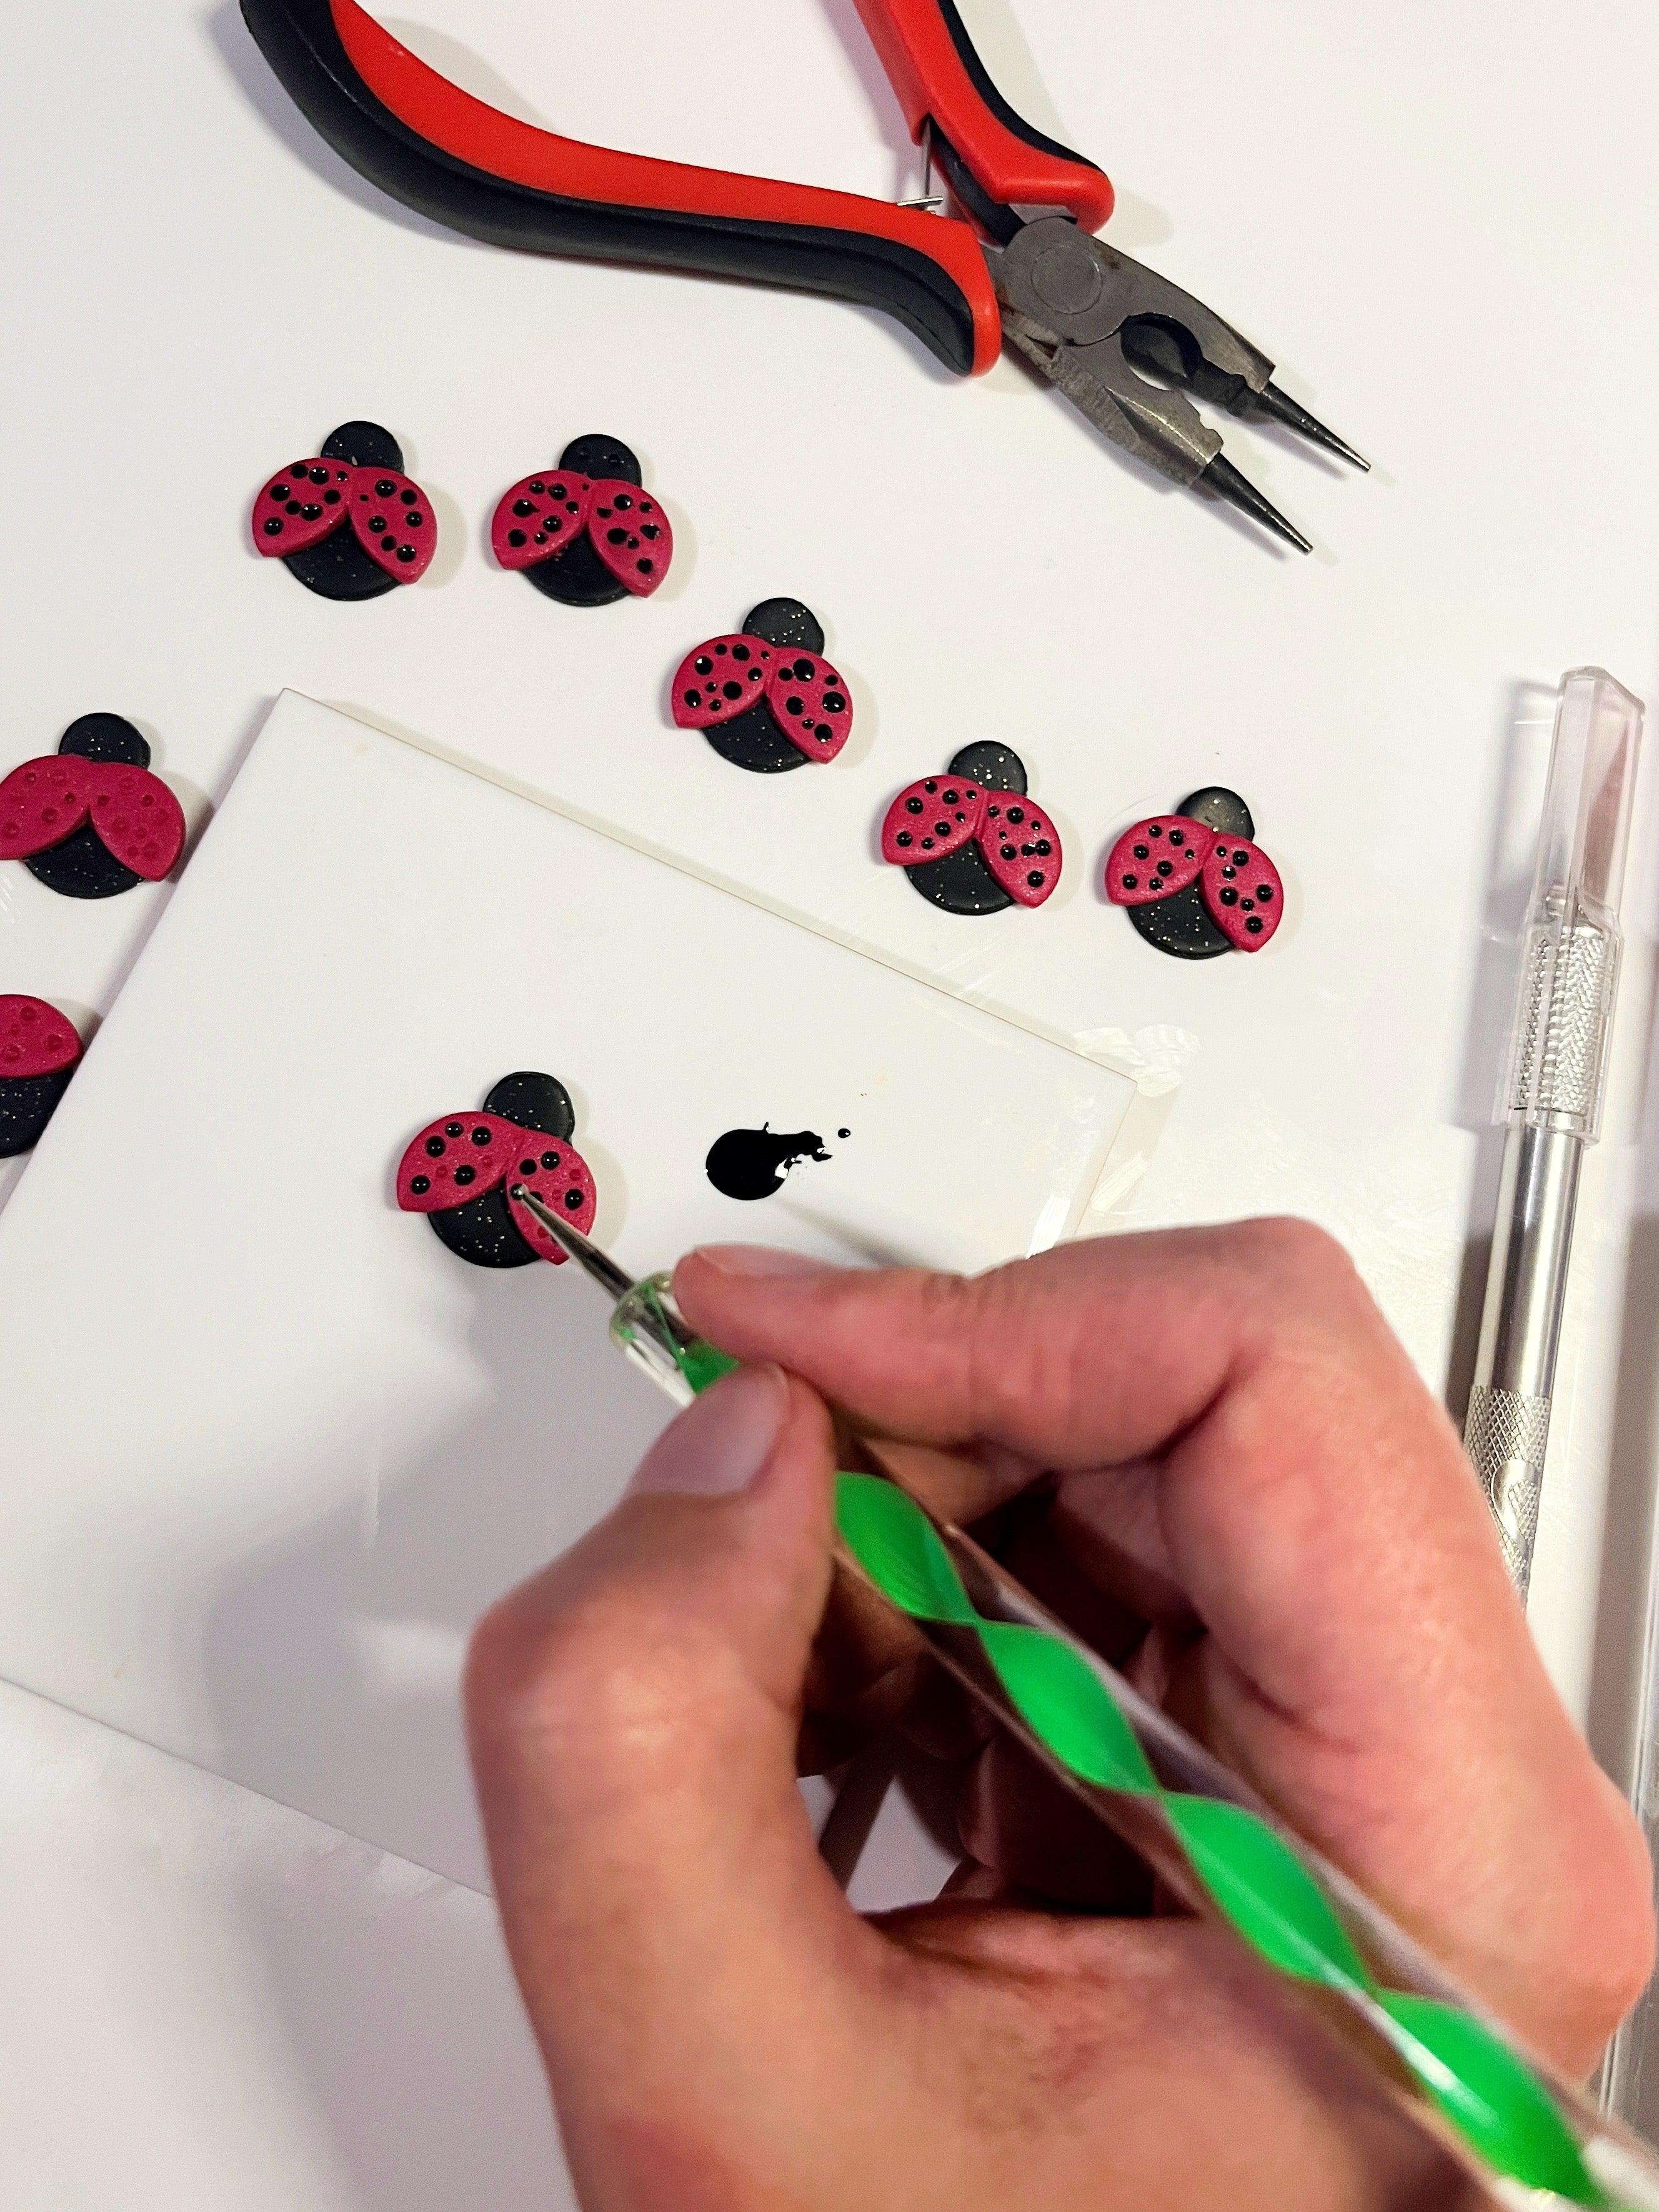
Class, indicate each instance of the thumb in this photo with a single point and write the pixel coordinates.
(633, 1713)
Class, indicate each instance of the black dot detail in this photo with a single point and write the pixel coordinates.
(550, 1159)
(420, 1185)
(383, 490)
(480, 1136)
(527, 1167)
(912, 807)
(572, 1199)
(435, 1146)
(273, 528)
(1254, 925)
(464, 1176)
(904, 839)
(516, 538)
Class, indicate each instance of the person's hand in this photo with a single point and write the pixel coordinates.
(1207, 1452)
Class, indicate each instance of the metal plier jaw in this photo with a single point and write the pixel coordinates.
(1094, 322)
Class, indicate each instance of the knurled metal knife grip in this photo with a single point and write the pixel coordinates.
(1551, 1101)
(1504, 1435)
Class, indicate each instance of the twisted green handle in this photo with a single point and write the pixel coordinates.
(1488, 2092)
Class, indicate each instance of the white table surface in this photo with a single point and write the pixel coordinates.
(1441, 221)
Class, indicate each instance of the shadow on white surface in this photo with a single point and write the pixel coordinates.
(213, 2001)
(1526, 717)
(1622, 1703)
(233, 42)
(331, 1655)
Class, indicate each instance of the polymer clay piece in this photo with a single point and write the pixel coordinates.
(90, 820)
(38, 1051)
(584, 532)
(1195, 883)
(348, 523)
(458, 1170)
(970, 839)
(764, 696)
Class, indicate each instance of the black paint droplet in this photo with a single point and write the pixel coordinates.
(751, 1163)
(843, 1132)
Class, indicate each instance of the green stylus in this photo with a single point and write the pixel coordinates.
(1526, 2135)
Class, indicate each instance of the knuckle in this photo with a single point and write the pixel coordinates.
(536, 1669)
(1302, 1276)
(1295, 1250)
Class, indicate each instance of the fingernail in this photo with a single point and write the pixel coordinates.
(719, 1444)
(757, 1260)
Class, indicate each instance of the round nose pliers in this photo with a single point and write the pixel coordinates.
(1020, 265)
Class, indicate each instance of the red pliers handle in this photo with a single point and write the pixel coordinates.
(466, 165)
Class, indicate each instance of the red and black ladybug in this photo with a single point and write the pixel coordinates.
(1195, 883)
(90, 820)
(970, 839)
(39, 1051)
(585, 531)
(458, 1169)
(348, 523)
(764, 696)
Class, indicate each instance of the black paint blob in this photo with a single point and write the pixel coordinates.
(749, 1163)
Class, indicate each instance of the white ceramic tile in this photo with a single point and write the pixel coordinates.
(269, 1448)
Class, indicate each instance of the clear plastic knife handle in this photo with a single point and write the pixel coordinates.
(1551, 1096)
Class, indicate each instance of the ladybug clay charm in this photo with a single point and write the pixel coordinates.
(349, 524)
(970, 840)
(38, 1050)
(584, 532)
(764, 696)
(457, 1171)
(90, 820)
(1194, 881)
